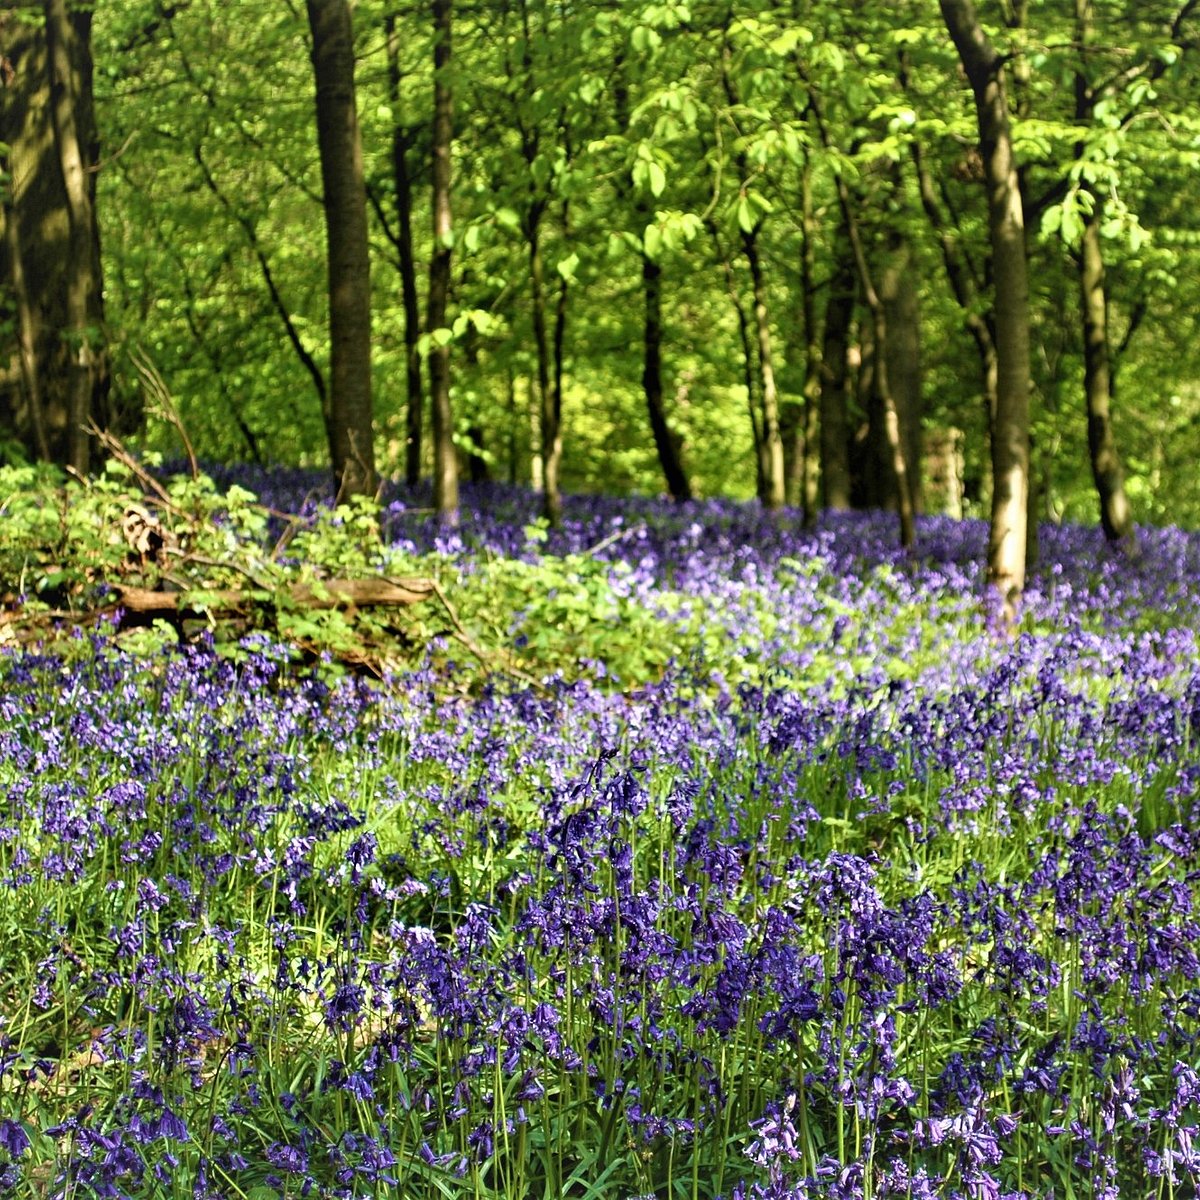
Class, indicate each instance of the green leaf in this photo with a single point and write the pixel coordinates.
(566, 267)
(746, 218)
(657, 179)
(652, 241)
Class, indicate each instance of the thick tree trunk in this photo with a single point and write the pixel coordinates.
(665, 441)
(773, 491)
(27, 337)
(835, 425)
(87, 359)
(351, 424)
(402, 180)
(1006, 227)
(445, 460)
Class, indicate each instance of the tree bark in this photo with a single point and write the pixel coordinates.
(551, 438)
(26, 329)
(748, 365)
(898, 292)
(445, 460)
(962, 284)
(664, 439)
(402, 181)
(835, 426)
(773, 491)
(879, 328)
(802, 478)
(773, 484)
(351, 425)
(1006, 228)
(87, 369)
(1116, 517)
(559, 351)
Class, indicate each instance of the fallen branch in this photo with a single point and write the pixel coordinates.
(328, 593)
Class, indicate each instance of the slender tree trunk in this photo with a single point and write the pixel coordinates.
(748, 371)
(513, 418)
(802, 479)
(278, 303)
(835, 425)
(880, 331)
(81, 282)
(550, 437)
(1006, 228)
(445, 461)
(962, 283)
(664, 440)
(559, 349)
(1116, 517)
(774, 491)
(402, 180)
(1115, 514)
(898, 292)
(352, 445)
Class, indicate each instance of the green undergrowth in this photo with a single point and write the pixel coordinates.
(66, 548)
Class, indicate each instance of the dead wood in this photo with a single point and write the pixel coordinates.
(327, 593)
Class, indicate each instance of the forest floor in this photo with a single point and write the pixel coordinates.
(690, 854)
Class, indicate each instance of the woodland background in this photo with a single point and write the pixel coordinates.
(616, 242)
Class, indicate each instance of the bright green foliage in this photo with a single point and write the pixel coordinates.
(616, 124)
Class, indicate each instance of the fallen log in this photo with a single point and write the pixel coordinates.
(328, 593)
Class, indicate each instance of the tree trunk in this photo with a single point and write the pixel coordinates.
(401, 141)
(88, 369)
(551, 439)
(1116, 517)
(26, 329)
(559, 349)
(445, 460)
(898, 292)
(1115, 514)
(835, 425)
(748, 371)
(879, 330)
(1006, 228)
(351, 424)
(802, 478)
(665, 441)
(962, 283)
(773, 492)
